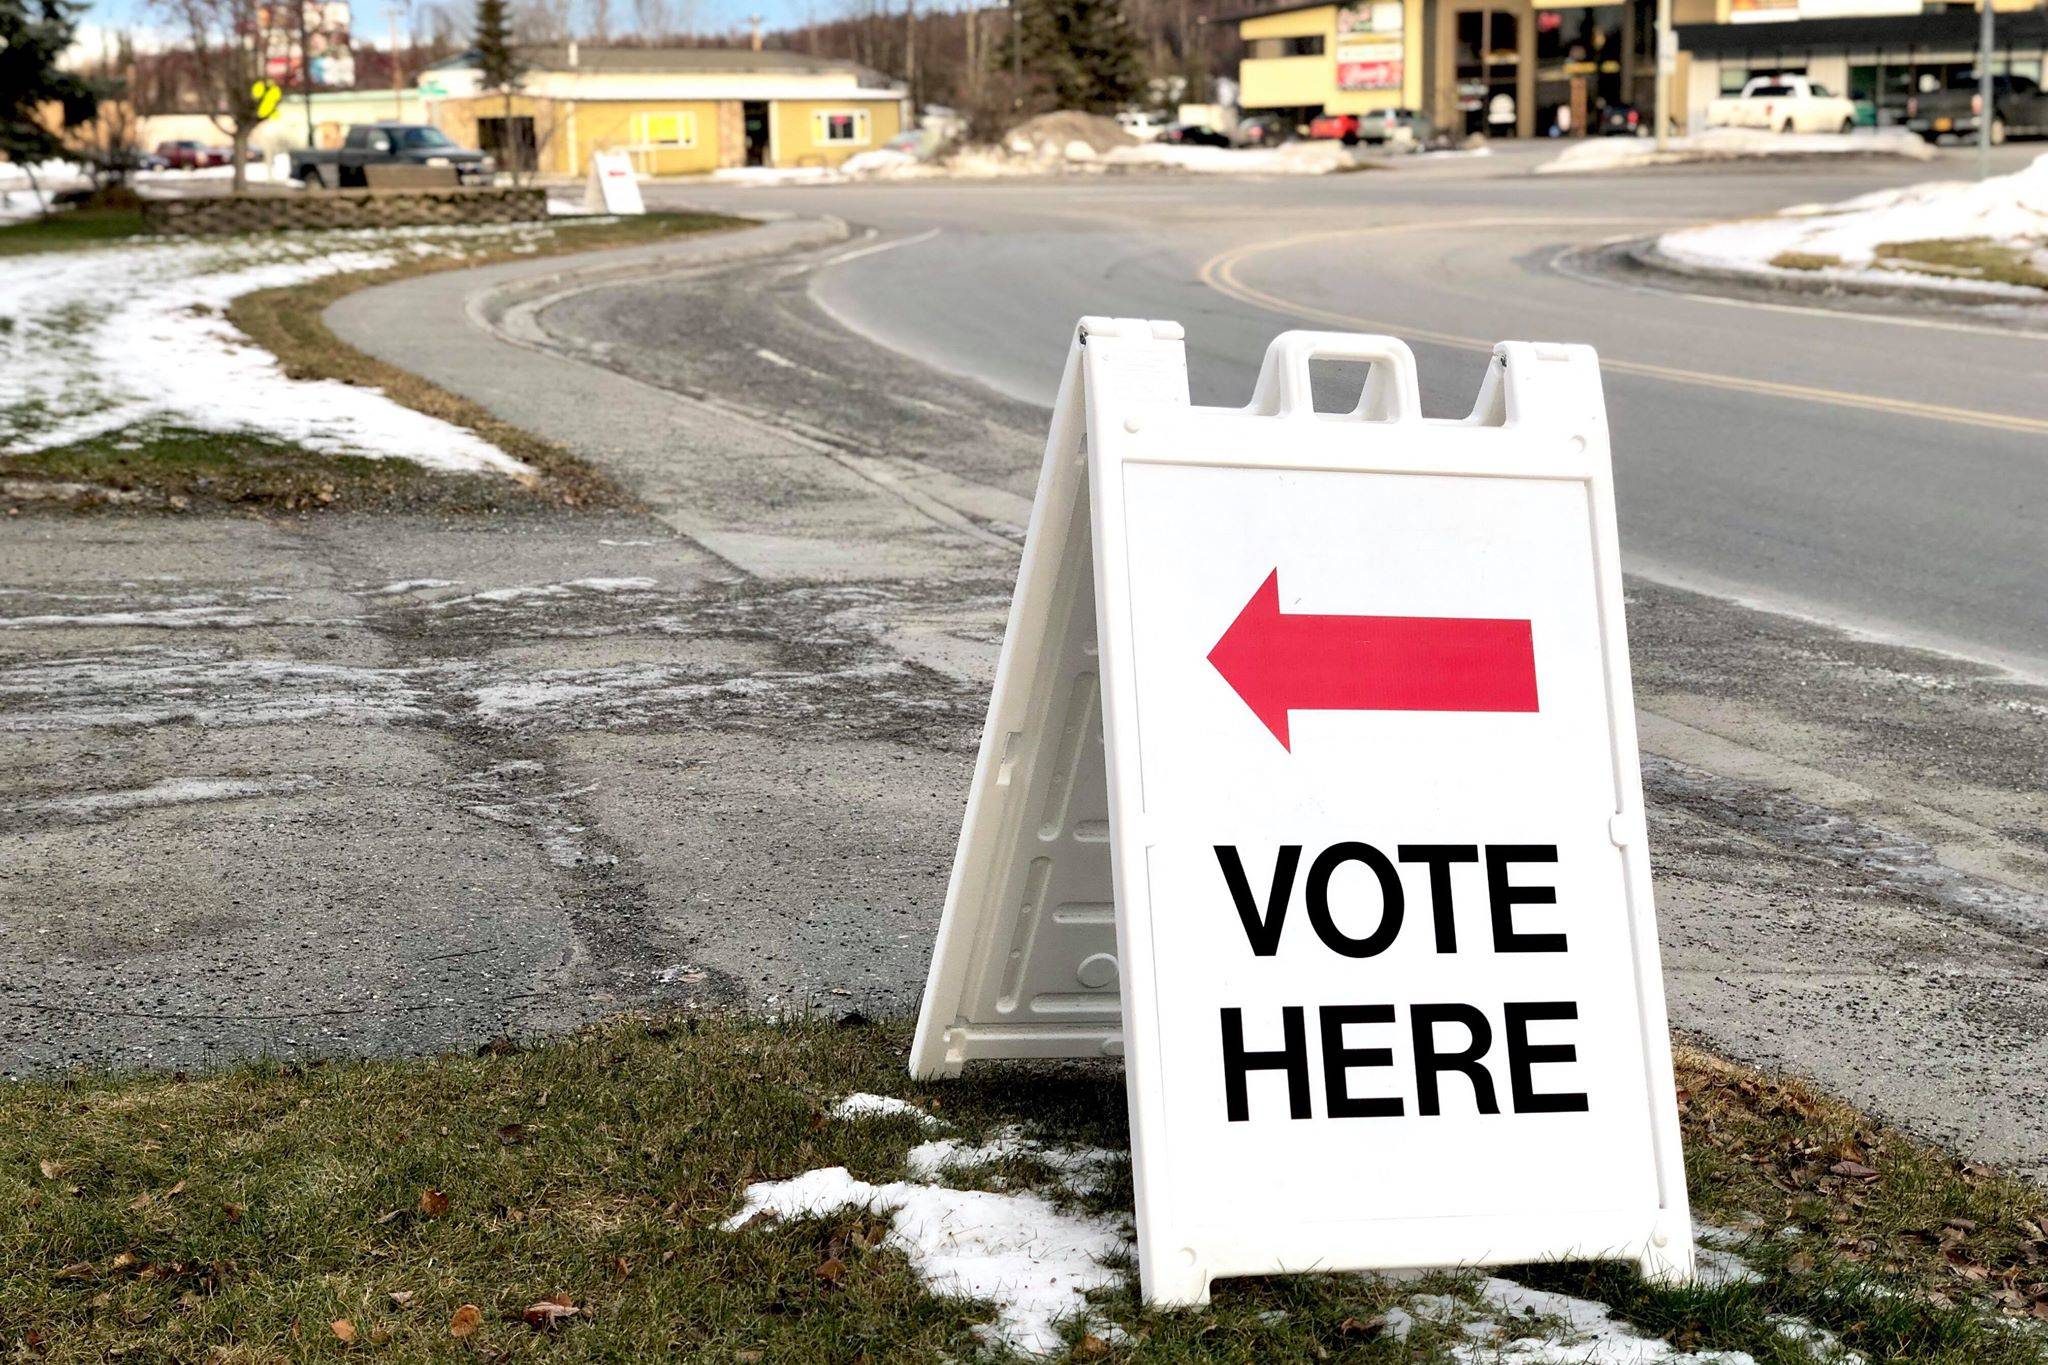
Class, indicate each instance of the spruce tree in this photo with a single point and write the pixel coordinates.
(498, 62)
(1083, 52)
(33, 36)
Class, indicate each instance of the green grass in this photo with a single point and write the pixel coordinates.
(1805, 260)
(1970, 259)
(69, 230)
(235, 1216)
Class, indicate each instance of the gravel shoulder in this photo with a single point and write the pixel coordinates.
(716, 751)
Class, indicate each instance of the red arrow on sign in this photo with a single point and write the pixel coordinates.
(1279, 663)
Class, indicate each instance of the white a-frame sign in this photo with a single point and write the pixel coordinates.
(1310, 788)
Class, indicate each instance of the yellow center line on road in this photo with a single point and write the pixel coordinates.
(1219, 273)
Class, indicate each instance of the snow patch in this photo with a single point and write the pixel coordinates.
(1572, 1331)
(1035, 1261)
(1731, 144)
(2010, 210)
(138, 335)
(862, 1105)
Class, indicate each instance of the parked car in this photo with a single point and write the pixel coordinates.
(1141, 124)
(1263, 130)
(1784, 104)
(2018, 105)
(1382, 127)
(388, 144)
(187, 155)
(1622, 120)
(1193, 135)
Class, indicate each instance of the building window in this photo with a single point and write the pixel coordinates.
(668, 130)
(844, 129)
(1262, 49)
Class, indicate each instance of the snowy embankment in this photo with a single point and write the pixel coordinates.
(1849, 242)
(1732, 144)
(134, 339)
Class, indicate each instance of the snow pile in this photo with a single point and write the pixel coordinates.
(1289, 158)
(137, 335)
(2010, 210)
(1066, 135)
(1526, 1326)
(1021, 1251)
(1731, 144)
(880, 161)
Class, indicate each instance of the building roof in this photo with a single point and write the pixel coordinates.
(687, 60)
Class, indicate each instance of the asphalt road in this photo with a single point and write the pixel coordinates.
(393, 784)
(1881, 473)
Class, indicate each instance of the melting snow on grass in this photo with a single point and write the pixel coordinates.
(1732, 144)
(1524, 1326)
(100, 340)
(1035, 1260)
(2007, 210)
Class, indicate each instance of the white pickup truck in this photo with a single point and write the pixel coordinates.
(1783, 104)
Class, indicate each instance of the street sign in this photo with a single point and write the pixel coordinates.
(1310, 787)
(613, 187)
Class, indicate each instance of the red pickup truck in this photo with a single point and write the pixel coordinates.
(187, 155)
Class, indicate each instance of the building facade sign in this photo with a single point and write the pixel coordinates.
(1371, 38)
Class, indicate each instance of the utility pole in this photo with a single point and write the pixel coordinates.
(1986, 91)
(391, 12)
(306, 64)
(910, 49)
(1666, 49)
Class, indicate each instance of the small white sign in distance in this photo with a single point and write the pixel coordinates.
(613, 187)
(1310, 785)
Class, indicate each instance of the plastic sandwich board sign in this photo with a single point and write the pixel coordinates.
(613, 187)
(1310, 788)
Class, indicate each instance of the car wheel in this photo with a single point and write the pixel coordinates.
(1998, 132)
(1848, 126)
(1788, 128)
(314, 178)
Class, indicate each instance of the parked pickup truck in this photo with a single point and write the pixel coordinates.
(2018, 106)
(388, 144)
(1783, 104)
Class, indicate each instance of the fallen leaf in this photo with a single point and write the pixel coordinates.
(51, 1169)
(1855, 1170)
(344, 1329)
(386, 1216)
(233, 1212)
(122, 1260)
(1090, 1347)
(174, 1191)
(622, 1265)
(465, 1320)
(748, 1356)
(433, 1203)
(401, 1297)
(547, 1312)
(77, 1270)
(831, 1270)
(512, 1133)
(139, 1202)
(1369, 1327)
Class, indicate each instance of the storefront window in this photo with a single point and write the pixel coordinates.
(1489, 50)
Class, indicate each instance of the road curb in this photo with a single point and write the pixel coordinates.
(2022, 314)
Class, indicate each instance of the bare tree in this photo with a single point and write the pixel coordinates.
(230, 57)
(598, 25)
(653, 19)
(537, 22)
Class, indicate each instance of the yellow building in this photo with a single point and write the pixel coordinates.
(675, 111)
(1505, 68)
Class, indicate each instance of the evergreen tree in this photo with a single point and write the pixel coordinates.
(33, 35)
(1083, 52)
(498, 63)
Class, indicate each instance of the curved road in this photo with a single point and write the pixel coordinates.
(1886, 474)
